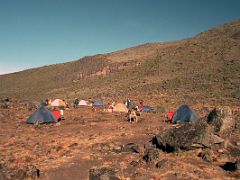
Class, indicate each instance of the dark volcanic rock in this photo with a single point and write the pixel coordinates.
(131, 147)
(184, 136)
(231, 166)
(134, 163)
(103, 174)
(161, 163)
(151, 154)
(203, 133)
(206, 156)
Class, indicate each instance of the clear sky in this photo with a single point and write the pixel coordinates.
(34, 33)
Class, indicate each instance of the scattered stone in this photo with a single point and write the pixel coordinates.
(161, 163)
(134, 163)
(206, 156)
(73, 145)
(197, 146)
(29, 172)
(216, 139)
(131, 147)
(5, 105)
(178, 175)
(151, 154)
(220, 150)
(237, 165)
(103, 174)
(32, 172)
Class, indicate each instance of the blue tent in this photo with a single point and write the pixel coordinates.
(98, 103)
(42, 115)
(185, 114)
(147, 109)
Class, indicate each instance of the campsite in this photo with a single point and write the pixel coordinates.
(106, 144)
(72, 120)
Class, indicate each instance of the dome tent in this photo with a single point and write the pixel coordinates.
(58, 103)
(82, 103)
(120, 107)
(185, 114)
(98, 104)
(42, 115)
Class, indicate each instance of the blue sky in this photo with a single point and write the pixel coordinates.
(34, 33)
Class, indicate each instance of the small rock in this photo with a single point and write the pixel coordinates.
(205, 156)
(237, 165)
(33, 172)
(134, 163)
(178, 175)
(161, 163)
(131, 147)
(73, 145)
(152, 154)
(220, 150)
(103, 174)
(216, 139)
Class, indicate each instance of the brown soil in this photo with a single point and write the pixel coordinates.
(87, 139)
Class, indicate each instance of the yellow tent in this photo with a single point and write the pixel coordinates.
(120, 107)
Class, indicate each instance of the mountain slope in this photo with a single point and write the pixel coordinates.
(202, 69)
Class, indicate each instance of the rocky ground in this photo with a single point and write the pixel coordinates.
(100, 145)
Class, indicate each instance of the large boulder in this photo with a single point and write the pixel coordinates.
(205, 132)
(222, 120)
(184, 136)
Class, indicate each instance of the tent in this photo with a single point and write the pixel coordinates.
(147, 109)
(185, 114)
(98, 104)
(58, 103)
(120, 107)
(82, 103)
(57, 114)
(170, 115)
(42, 115)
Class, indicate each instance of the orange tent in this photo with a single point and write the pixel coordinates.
(170, 115)
(56, 114)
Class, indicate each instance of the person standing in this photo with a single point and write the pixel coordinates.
(75, 103)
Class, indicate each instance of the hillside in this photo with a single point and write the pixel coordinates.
(202, 69)
(92, 143)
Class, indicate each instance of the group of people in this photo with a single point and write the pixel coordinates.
(133, 109)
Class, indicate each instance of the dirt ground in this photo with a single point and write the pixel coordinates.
(91, 140)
